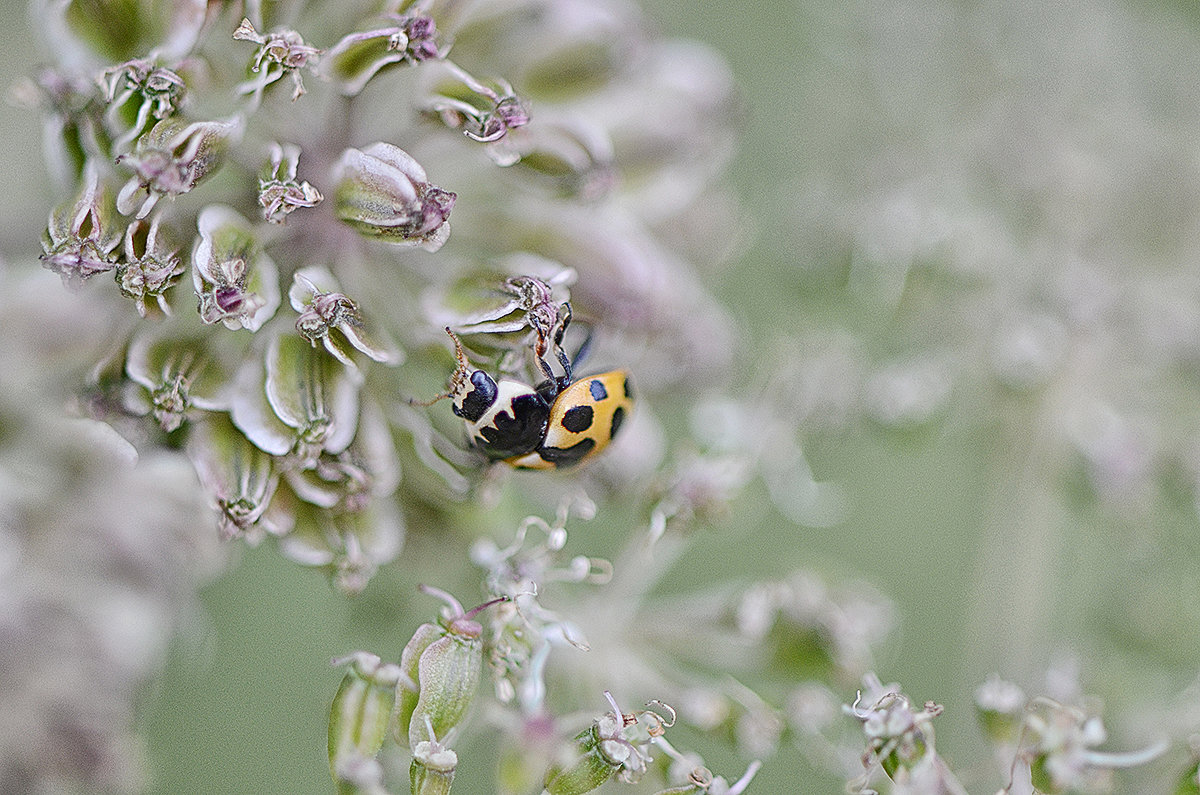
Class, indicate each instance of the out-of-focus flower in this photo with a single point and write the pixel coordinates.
(900, 741)
(1057, 745)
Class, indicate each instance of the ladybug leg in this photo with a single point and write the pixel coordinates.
(565, 309)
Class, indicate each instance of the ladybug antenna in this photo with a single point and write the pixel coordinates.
(458, 379)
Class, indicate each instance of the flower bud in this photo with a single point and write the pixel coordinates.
(279, 192)
(1000, 708)
(184, 370)
(171, 158)
(432, 769)
(383, 192)
(361, 709)
(120, 29)
(446, 664)
(590, 769)
(82, 233)
(237, 283)
(240, 477)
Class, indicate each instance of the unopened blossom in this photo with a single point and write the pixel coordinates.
(443, 663)
(382, 192)
(240, 479)
(236, 282)
(72, 119)
(178, 373)
(297, 401)
(171, 158)
(361, 709)
(82, 234)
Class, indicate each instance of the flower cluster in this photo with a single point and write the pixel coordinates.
(533, 655)
(201, 187)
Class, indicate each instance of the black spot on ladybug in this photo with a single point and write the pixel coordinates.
(567, 456)
(597, 389)
(578, 419)
(518, 431)
(479, 399)
(618, 418)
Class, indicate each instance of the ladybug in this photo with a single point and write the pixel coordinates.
(557, 424)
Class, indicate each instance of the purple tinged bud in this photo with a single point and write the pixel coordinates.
(235, 282)
(383, 192)
(171, 158)
(83, 233)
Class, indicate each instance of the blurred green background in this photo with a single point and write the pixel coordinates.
(915, 176)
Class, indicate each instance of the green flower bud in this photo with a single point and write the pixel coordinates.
(445, 663)
(1000, 708)
(361, 710)
(120, 29)
(240, 477)
(184, 369)
(383, 192)
(432, 769)
(590, 769)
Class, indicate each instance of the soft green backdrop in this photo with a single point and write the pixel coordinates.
(243, 703)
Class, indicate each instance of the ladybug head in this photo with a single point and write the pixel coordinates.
(471, 391)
